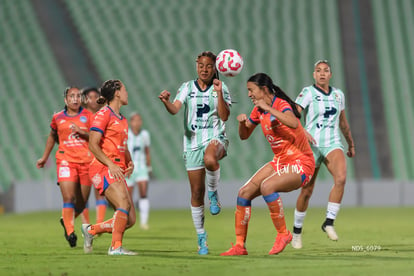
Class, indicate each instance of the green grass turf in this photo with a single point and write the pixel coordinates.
(372, 241)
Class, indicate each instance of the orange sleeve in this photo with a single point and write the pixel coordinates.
(255, 116)
(100, 121)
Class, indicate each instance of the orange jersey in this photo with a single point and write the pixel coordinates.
(114, 132)
(287, 143)
(72, 148)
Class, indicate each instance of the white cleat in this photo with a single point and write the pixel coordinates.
(296, 241)
(330, 231)
(87, 238)
(144, 226)
(120, 251)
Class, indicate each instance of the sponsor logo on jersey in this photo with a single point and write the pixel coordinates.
(202, 109)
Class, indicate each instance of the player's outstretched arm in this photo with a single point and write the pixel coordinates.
(245, 126)
(172, 108)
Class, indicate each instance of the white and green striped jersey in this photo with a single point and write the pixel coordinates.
(137, 145)
(201, 120)
(322, 113)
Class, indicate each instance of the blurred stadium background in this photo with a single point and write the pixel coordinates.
(47, 45)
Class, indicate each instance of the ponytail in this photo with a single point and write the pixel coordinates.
(281, 94)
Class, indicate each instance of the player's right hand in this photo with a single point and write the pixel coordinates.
(40, 163)
(242, 118)
(164, 96)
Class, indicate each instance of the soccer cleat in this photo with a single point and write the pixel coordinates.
(215, 206)
(121, 251)
(330, 231)
(235, 250)
(296, 241)
(87, 238)
(64, 229)
(280, 243)
(202, 244)
(72, 238)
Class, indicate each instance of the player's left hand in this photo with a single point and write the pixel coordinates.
(351, 152)
(217, 85)
(261, 104)
(128, 171)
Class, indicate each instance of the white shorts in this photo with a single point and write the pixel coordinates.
(139, 174)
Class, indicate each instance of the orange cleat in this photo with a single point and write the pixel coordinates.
(235, 250)
(280, 243)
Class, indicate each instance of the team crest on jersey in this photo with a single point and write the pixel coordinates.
(83, 119)
(214, 93)
(337, 98)
(96, 180)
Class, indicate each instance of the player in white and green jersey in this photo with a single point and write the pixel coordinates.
(322, 114)
(139, 142)
(325, 116)
(206, 102)
(201, 121)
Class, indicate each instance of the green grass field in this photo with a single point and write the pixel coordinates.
(372, 241)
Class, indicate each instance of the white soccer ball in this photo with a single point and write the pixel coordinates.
(229, 62)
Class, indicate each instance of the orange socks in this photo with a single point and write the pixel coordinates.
(242, 218)
(103, 227)
(274, 202)
(85, 215)
(100, 210)
(120, 222)
(68, 213)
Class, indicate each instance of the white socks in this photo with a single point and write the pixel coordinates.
(144, 207)
(212, 180)
(332, 210)
(198, 218)
(299, 218)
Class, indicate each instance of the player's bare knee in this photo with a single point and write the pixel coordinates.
(210, 163)
(340, 181)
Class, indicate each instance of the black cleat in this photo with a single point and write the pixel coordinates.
(72, 238)
(64, 229)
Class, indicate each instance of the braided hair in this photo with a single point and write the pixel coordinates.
(261, 79)
(108, 89)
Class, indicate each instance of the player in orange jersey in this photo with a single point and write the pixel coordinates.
(291, 168)
(112, 163)
(69, 128)
(90, 98)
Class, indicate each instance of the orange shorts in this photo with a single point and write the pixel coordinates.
(304, 167)
(73, 172)
(101, 177)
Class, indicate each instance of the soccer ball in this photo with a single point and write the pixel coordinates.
(229, 63)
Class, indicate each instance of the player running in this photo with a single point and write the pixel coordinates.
(325, 116)
(112, 163)
(207, 106)
(69, 128)
(292, 165)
